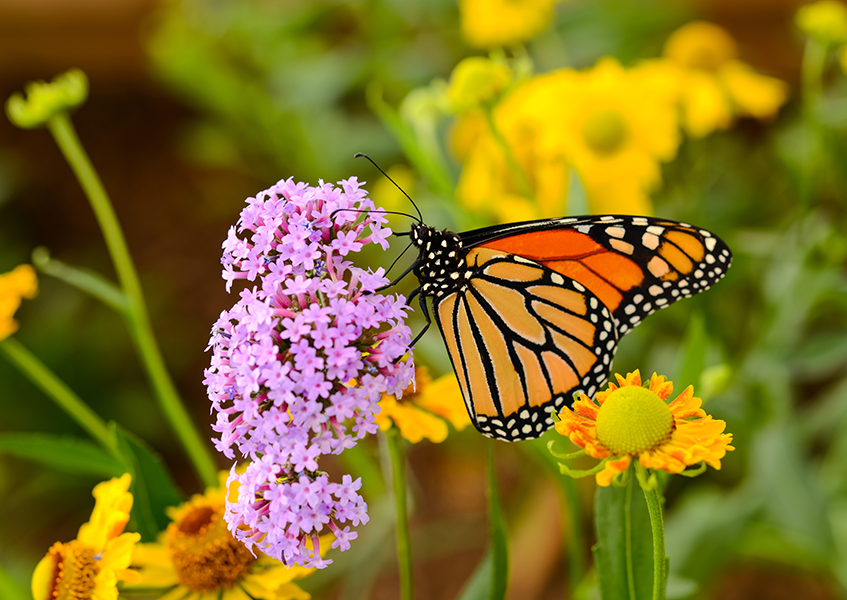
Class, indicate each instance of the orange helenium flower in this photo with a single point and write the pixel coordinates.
(629, 421)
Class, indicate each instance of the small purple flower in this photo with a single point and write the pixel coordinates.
(301, 361)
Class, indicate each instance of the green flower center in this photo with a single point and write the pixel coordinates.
(633, 420)
(605, 131)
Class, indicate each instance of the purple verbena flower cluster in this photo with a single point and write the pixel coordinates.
(301, 361)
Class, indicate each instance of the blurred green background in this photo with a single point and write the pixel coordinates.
(196, 105)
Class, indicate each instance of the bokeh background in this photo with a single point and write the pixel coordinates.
(196, 105)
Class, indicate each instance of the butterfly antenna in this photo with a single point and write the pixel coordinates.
(360, 155)
(375, 211)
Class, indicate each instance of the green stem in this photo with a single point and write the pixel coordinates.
(404, 546)
(521, 180)
(814, 64)
(627, 516)
(654, 507)
(576, 539)
(28, 364)
(136, 311)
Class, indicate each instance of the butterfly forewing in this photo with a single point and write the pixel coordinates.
(635, 265)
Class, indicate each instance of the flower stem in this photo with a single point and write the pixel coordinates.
(136, 311)
(630, 570)
(37, 372)
(518, 174)
(576, 539)
(654, 507)
(404, 546)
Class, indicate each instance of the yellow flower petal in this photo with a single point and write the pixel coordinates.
(491, 23)
(476, 80)
(825, 21)
(113, 503)
(443, 397)
(15, 285)
(753, 94)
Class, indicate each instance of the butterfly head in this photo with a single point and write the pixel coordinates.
(441, 256)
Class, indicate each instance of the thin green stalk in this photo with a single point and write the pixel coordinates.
(576, 538)
(515, 168)
(404, 546)
(630, 572)
(28, 364)
(654, 507)
(136, 311)
(814, 65)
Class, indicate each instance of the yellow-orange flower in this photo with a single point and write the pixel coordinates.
(477, 80)
(824, 21)
(196, 558)
(14, 286)
(629, 421)
(491, 23)
(89, 567)
(425, 409)
(615, 126)
(713, 85)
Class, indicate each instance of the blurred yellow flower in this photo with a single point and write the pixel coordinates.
(629, 421)
(89, 567)
(488, 183)
(824, 21)
(491, 23)
(14, 286)
(477, 80)
(423, 409)
(615, 126)
(713, 85)
(196, 558)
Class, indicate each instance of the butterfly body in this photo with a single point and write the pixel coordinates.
(531, 313)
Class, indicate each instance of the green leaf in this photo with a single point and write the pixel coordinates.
(11, 589)
(790, 487)
(65, 453)
(490, 580)
(624, 550)
(478, 587)
(694, 354)
(152, 487)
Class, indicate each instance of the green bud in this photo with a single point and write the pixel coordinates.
(45, 100)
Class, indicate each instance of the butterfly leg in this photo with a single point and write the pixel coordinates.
(422, 301)
(396, 281)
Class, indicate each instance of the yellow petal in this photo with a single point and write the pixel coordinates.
(753, 94)
(444, 398)
(113, 503)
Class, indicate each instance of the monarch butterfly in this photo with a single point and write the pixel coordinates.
(532, 313)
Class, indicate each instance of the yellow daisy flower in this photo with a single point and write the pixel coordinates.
(477, 80)
(196, 558)
(630, 421)
(488, 183)
(824, 21)
(615, 126)
(714, 86)
(14, 286)
(89, 567)
(424, 408)
(491, 23)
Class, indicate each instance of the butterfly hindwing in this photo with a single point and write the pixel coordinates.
(523, 339)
